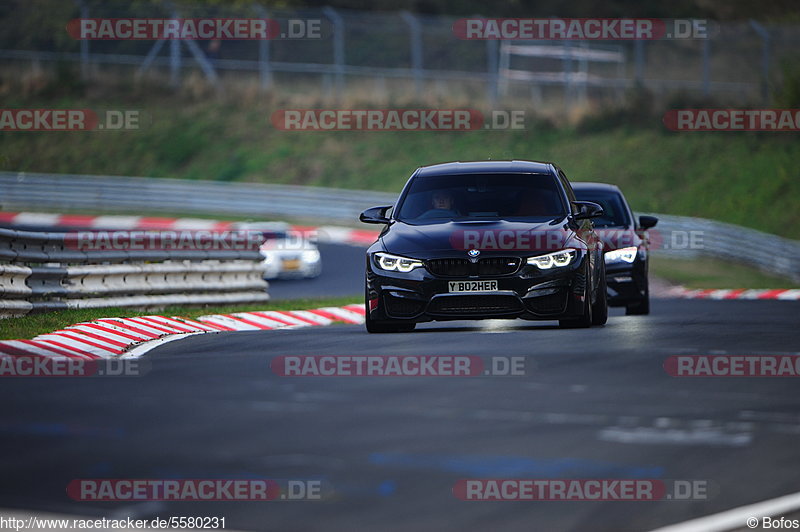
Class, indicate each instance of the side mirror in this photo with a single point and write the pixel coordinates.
(646, 222)
(375, 215)
(587, 209)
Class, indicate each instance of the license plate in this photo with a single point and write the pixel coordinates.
(472, 286)
(291, 265)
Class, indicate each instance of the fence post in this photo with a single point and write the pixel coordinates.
(583, 68)
(174, 59)
(638, 57)
(706, 67)
(567, 65)
(264, 67)
(150, 57)
(491, 67)
(85, 60)
(338, 47)
(766, 40)
(621, 73)
(415, 36)
(202, 60)
(502, 70)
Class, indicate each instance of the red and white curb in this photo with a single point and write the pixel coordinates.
(325, 233)
(679, 292)
(132, 337)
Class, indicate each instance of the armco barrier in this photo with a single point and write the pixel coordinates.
(96, 194)
(44, 271)
(112, 194)
(769, 253)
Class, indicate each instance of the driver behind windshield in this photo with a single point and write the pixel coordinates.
(442, 205)
(486, 196)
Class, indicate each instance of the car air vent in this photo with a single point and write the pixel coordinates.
(489, 266)
(450, 267)
(498, 265)
(475, 304)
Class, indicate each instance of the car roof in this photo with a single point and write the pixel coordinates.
(483, 167)
(587, 185)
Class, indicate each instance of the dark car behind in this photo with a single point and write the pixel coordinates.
(626, 249)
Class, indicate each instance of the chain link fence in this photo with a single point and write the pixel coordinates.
(403, 54)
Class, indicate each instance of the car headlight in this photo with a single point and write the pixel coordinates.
(310, 256)
(621, 255)
(553, 260)
(394, 263)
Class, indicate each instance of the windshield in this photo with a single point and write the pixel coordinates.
(493, 196)
(615, 214)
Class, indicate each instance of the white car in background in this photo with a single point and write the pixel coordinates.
(288, 253)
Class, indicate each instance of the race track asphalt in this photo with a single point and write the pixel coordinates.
(594, 403)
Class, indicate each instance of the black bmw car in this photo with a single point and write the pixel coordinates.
(626, 246)
(480, 240)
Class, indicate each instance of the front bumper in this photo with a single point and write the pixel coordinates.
(626, 283)
(529, 293)
(290, 267)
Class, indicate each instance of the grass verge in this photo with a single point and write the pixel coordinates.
(742, 178)
(714, 273)
(35, 324)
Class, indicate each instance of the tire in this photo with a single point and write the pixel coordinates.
(600, 309)
(586, 319)
(640, 308)
(384, 326)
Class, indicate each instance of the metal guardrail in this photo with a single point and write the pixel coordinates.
(688, 237)
(48, 271)
(132, 194)
(678, 236)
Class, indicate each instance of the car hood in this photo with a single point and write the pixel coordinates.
(495, 237)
